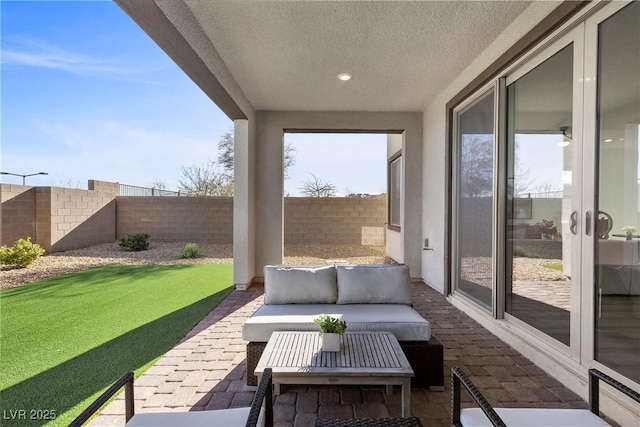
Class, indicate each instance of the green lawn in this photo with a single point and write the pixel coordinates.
(65, 339)
(555, 266)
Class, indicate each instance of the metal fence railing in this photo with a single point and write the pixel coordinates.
(554, 194)
(134, 190)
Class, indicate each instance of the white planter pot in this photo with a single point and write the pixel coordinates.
(330, 342)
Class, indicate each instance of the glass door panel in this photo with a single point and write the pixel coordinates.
(540, 174)
(617, 241)
(474, 177)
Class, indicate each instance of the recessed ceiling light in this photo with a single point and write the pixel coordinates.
(608, 140)
(344, 77)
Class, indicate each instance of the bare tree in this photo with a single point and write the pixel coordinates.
(205, 180)
(476, 166)
(522, 180)
(521, 174)
(158, 184)
(70, 183)
(226, 157)
(316, 187)
(289, 159)
(546, 188)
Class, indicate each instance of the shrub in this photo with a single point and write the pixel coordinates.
(135, 242)
(191, 250)
(331, 325)
(521, 252)
(22, 254)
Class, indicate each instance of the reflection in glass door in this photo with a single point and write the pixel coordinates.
(617, 251)
(540, 153)
(474, 177)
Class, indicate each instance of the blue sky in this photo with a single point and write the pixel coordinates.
(87, 95)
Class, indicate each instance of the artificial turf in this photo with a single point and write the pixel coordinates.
(66, 339)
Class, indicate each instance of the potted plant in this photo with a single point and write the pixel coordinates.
(331, 328)
(629, 230)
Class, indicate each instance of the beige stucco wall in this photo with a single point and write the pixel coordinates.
(434, 160)
(394, 247)
(565, 368)
(244, 205)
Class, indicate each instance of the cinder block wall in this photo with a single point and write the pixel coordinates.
(327, 220)
(18, 213)
(59, 219)
(78, 218)
(177, 219)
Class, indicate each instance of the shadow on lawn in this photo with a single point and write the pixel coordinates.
(66, 385)
(99, 276)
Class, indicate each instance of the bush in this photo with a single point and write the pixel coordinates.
(521, 252)
(331, 325)
(135, 242)
(22, 254)
(191, 250)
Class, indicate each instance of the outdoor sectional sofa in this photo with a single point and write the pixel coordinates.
(367, 297)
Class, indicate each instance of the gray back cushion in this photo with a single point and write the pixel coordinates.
(300, 285)
(374, 284)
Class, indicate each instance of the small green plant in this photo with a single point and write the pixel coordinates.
(22, 254)
(629, 229)
(330, 325)
(191, 250)
(135, 242)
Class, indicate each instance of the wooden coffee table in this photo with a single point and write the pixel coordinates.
(364, 358)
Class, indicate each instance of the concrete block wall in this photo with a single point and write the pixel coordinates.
(17, 212)
(328, 220)
(80, 218)
(59, 219)
(43, 217)
(177, 219)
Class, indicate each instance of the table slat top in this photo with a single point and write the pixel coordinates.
(370, 351)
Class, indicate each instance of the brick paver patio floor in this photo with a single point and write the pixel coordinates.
(206, 370)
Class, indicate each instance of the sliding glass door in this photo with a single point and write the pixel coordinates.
(546, 193)
(539, 194)
(617, 240)
(474, 182)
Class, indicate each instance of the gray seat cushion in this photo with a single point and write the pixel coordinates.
(402, 320)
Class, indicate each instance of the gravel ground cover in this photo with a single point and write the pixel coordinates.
(479, 269)
(163, 253)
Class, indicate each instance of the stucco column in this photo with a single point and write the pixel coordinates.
(270, 128)
(243, 205)
(269, 190)
(412, 198)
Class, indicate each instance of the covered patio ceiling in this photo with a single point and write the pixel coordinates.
(285, 56)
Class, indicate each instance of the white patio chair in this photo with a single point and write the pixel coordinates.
(251, 416)
(488, 416)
